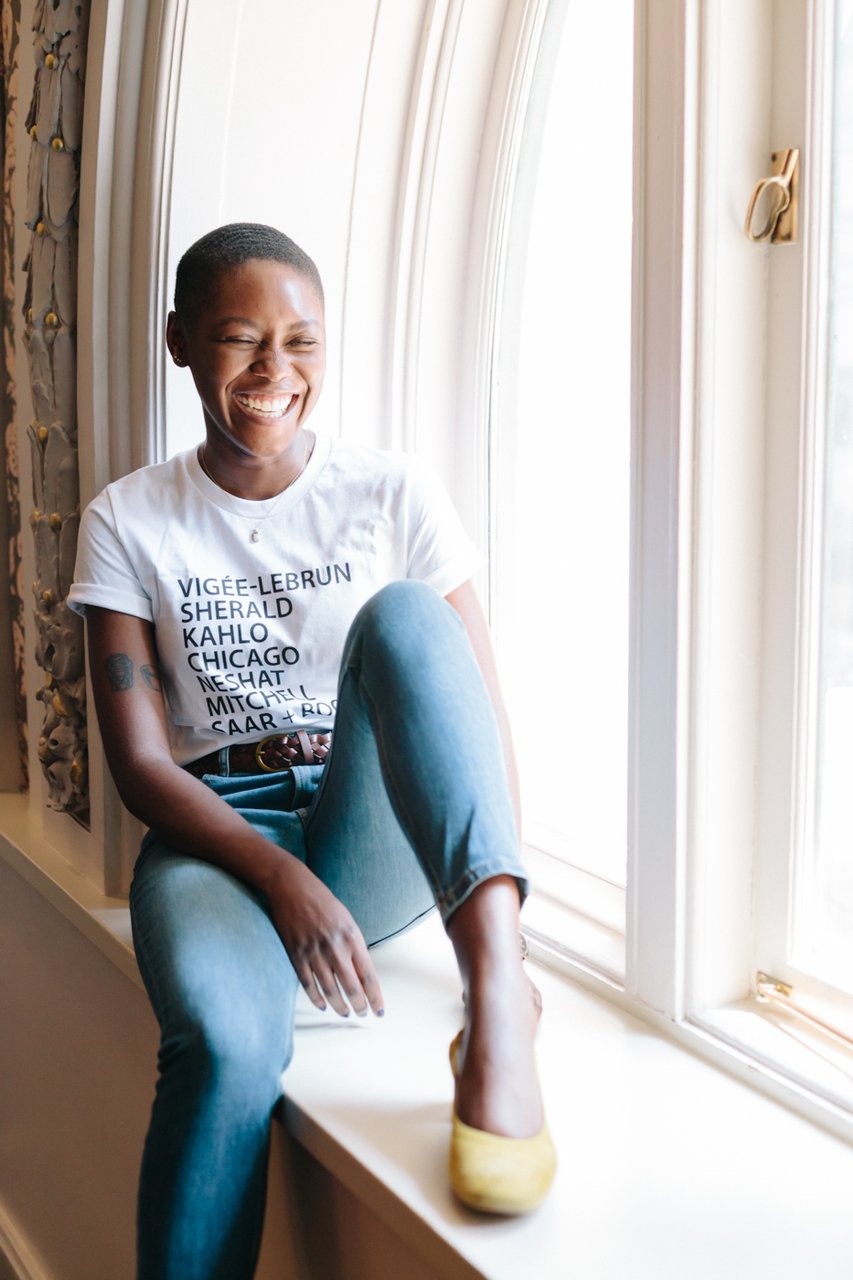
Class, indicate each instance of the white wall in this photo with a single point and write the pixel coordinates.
(267, 129)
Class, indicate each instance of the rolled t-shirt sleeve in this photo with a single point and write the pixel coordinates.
(104, 575)
(440, 552)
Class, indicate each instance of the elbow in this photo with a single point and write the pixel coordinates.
(142, 782)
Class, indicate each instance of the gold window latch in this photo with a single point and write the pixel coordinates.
(770, 990)
(780, 196)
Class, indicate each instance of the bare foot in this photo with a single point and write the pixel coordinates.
(496, 1085)
(497, 1088)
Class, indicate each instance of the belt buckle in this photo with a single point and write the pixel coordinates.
(259, 754)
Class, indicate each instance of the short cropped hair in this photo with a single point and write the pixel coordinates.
(231, 246)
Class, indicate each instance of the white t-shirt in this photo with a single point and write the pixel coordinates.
(252, 601)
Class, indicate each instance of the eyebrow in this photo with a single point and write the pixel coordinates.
(253, 324)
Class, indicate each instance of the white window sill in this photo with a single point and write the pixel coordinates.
(668, 1166)
(814, 1066)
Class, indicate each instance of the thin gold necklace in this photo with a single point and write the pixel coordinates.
(255, 534)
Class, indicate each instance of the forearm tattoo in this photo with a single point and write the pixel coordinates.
(151, 676)
(119, 670)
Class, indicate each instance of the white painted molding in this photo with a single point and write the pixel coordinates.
(663, 326)
(502, 202)
(152, 186)
(362, 294)
(727, 525)
(429, 88)
(131, 97)
(110, 130)
(461, 125)
(96, 176)
(131, 89)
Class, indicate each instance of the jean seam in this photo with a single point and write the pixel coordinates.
(464, 886)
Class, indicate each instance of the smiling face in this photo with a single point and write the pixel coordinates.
(256, 348)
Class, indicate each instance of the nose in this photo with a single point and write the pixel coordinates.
(275, 365)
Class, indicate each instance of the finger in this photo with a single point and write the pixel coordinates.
(351, 965)
(325, 978)
(309, 986)
(352, 987)
(369, 980)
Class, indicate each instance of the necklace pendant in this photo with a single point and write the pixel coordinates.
(256, 537)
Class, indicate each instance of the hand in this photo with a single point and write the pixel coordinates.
(324, 943)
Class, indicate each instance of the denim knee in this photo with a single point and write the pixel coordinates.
(409, 598)
(232, 1052)
(402, 618)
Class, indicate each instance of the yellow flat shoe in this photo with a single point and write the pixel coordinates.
(494, 1174)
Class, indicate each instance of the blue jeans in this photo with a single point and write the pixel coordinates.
(412, 810)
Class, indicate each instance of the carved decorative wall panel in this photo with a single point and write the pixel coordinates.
(55, 124)
(9, 28)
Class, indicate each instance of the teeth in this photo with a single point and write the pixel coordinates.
(273, 407)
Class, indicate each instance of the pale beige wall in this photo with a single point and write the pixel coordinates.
(78, 1054)
(77, 1064)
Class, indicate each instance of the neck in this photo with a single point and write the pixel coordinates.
(256, 478)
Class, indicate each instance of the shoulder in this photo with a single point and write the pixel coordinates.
(138, 489)
(402, 485)
(353, 466)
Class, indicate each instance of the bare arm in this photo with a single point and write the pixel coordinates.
(465, 602)
(321, 938)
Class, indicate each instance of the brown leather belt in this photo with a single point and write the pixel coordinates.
(270, 755)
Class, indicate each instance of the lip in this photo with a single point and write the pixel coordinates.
(287, 399)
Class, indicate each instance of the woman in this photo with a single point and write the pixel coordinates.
(289, 704)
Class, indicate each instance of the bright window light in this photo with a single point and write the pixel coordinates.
(562, 441)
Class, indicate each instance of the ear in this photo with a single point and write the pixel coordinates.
(176, 339)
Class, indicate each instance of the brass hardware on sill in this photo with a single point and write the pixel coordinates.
(766, 987)
(782, 189)
(769, 990)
